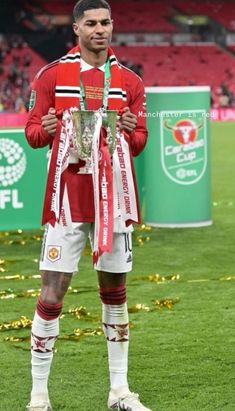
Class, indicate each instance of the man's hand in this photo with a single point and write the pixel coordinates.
(49, 121)
(128, 120)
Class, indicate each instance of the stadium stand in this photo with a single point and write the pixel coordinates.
(232, 47)
(18, 65)
(181, 65)
(148, 38)
(222, 12)
(154, 16)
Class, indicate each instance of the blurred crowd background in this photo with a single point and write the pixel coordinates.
(167, 43)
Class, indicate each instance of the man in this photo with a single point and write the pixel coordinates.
(79, 204)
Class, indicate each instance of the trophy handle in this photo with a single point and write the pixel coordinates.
(110, 124)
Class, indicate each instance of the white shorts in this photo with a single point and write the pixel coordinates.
(61, 250)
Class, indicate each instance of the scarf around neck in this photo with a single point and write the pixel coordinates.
(68, 90)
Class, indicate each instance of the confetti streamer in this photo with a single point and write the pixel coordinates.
(20, 277)
(79, 313)
(165, 303)
(4, 269)
(18, 237)
(202, 280)
(10, 294)
(17, 339)
(229, 278)
(157, 278)
(223, 203)
(138, 307)
(78, 333)
(141, 235)
(23, 322)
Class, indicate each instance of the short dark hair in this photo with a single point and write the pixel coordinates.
(82, 5)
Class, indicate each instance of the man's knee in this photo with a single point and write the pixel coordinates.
(113, 295)
(111, 280)
(48, 311)
(54, 286)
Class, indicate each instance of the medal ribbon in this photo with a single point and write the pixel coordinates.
(107, 81)
(102, 175)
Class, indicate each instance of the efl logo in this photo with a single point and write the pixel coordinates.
(184, 145)
(12, 169)
(12, 162)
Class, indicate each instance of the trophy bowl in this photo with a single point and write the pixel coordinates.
(85, 122)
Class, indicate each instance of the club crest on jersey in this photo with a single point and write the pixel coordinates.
(183, 145)
(32, 100)
(53, 253)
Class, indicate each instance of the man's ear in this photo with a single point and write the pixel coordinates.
(76, 28)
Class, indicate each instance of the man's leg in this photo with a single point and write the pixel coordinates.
(115, 325)
(111, 268)
(45, 329)
(60, 254)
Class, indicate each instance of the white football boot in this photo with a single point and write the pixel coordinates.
(39, 406)
(123, 399)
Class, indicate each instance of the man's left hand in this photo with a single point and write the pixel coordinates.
(128, 120)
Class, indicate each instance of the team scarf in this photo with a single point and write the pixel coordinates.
(115, 193)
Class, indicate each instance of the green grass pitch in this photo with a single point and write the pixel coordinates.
(181, 359)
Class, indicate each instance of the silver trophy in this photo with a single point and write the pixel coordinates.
(85, 122)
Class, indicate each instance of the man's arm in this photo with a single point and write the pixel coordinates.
(133, 119)
(42, 120)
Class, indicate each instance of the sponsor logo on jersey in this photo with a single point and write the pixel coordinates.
(53, 253)
(183, 145)
(32, 100)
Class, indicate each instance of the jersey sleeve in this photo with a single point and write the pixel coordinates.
(41, 99)
(137, 105)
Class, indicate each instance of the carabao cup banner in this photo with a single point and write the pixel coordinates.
(22, 180)
(176, 191)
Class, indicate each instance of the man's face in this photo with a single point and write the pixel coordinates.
(94, 29)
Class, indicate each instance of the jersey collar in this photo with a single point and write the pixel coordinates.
(85, 66)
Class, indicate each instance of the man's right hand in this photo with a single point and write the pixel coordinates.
(49, 121)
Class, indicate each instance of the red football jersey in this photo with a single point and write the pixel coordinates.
(80, 186)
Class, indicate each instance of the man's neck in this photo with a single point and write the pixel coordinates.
(94, 59)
